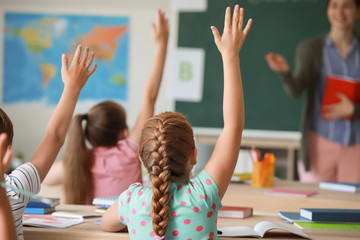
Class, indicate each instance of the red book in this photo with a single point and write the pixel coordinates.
(335, 85)
(289, 192)
(235, 212)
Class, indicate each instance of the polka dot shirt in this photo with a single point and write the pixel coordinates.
(193, 210)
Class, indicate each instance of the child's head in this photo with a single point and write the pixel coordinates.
(6, 126)
(356, 1)
(105, 124)
(167, 150)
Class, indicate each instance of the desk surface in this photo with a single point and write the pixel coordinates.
(265, 208)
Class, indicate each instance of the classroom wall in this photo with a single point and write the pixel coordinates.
(30, 122)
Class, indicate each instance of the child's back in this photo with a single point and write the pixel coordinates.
(191, 213)
(111, 170)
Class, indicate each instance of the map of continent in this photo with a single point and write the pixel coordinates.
(34, 43)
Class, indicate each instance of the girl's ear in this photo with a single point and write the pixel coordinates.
(193, 159)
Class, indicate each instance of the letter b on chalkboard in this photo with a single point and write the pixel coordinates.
(185, 71)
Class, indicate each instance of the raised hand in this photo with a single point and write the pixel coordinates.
(5, 155)
(233, 37)
(160, 30)
(77, 74)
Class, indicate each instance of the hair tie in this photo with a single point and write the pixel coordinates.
(159, 238)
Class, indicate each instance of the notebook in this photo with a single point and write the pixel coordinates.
(331, 214)
(289, 192)
(335, 85)
(104, 202)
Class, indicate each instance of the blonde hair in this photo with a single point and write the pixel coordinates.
(166, 145)
(103, 125)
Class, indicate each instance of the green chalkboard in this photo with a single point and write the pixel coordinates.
(278, 26)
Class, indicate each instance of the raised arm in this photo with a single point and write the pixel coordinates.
(223, 159)
(160, 35)
(7, 230)
(74, 78)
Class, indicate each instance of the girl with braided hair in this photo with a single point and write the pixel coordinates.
(111, 164)
(179, 206)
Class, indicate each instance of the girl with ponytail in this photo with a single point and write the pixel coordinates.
(179, 206)
(100, 158)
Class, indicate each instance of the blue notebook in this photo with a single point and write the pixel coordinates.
(292, 217)
(331, 215)
(35, 203)
(30, 210)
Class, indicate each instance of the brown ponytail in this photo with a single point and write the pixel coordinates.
(166, 145)
(75, 163)
(102, 127)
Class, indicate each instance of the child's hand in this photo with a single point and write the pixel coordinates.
(229, 44)
(160, 30)
(77, 74)
(5, 155)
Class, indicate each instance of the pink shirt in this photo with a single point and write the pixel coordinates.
(112, 170)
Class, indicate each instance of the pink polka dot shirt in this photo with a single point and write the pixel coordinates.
(193, 210)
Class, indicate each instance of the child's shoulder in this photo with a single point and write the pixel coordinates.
(137, 189)
(203, 178)
(123, 146)
(135, 193)
(26, 169)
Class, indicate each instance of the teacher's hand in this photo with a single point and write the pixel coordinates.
(277, 63)
(342, 109)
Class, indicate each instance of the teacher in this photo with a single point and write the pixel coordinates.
(330, 145)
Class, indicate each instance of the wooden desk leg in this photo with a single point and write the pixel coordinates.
(290, 164)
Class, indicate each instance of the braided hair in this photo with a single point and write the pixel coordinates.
(166, 145)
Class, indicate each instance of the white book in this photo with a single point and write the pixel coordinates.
(51, 223)
(260, 229)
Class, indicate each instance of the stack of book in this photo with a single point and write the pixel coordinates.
(324, 218)
(37, 207)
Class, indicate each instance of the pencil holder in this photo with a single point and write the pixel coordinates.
(263, 174)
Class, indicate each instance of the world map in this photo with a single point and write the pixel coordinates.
(34, 43)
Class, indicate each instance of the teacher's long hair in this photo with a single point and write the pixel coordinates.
(166, 145)
(103, 125)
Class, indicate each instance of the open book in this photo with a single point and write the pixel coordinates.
(259, 230)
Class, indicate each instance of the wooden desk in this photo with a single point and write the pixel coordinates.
(240, 194)
(289, 141)
(265, 208)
